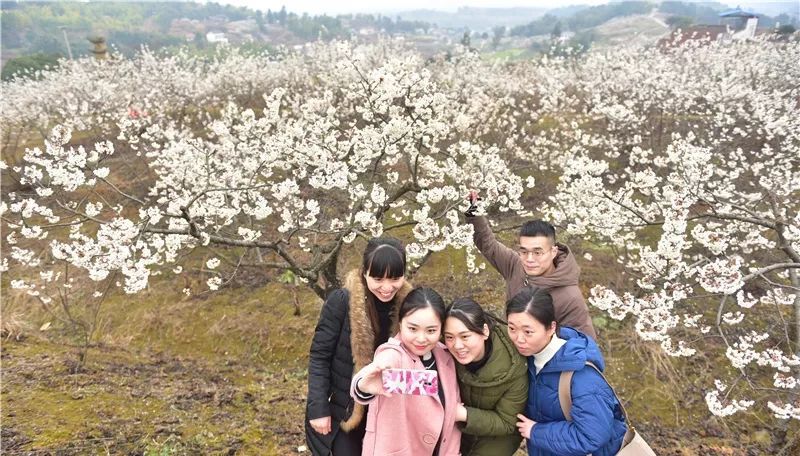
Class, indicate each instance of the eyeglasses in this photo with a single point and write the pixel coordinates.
(536, 253)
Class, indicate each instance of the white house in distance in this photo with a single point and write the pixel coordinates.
(216, 37)
(740, 24)
(735, 24)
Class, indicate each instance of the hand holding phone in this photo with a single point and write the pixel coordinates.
(473, 203)
(417, 382)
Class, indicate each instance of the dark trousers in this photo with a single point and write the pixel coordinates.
(349, 443)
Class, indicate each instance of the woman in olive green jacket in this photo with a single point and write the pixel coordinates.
(492, 376)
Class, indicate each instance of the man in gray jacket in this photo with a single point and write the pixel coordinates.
(538, 261)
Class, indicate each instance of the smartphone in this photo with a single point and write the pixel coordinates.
(417, 382)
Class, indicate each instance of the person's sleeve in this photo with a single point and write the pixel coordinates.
(502, 420)
(590, 429)
(323, 348)
(575, 313)
(387, 357)
(497, 254)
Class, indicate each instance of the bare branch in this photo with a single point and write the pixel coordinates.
(769, 268)
(130, 197)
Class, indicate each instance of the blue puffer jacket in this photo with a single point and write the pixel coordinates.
(598, 425)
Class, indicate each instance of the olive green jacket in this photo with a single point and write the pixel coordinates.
(493, 396)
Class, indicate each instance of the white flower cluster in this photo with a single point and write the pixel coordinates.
(723, 406)
(784, 411)
(742, 352)
(721, 276)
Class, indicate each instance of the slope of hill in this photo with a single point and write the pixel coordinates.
(640, 29)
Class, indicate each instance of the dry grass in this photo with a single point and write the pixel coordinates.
(13, 326)
(15, 322)
(652, 356)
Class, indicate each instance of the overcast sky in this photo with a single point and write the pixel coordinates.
(332, 7)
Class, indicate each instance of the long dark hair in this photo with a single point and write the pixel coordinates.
(469, 312)
(536, 302)
(383, 257)
(421, 298)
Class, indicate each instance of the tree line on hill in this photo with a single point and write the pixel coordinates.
(36, 32)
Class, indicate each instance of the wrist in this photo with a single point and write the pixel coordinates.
(363, 395)
(461, 413)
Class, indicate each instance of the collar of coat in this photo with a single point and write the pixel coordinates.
(362, 337)
(505, 364)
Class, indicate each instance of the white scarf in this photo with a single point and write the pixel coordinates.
(541, 358)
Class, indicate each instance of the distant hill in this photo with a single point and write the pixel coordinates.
(639, 29)
(475, 19)
(700, 12)
(49, 30)
(582, 19)
(617, 19)
(566, 11)
(789, 7)
(787, 12)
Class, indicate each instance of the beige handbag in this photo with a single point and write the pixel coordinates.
(632, 444)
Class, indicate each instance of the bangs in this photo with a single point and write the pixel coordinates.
(387, 261)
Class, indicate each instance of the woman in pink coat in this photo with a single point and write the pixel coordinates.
(405, 424)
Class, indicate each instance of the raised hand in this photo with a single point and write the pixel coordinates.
(371, 381)
(473, 203)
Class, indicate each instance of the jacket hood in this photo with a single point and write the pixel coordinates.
(573, 356)
(566, 271)
(505, 363)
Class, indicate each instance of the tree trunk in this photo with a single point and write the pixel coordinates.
(330, 276)
(796, 284)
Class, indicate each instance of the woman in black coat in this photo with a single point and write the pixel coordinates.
(354, 320)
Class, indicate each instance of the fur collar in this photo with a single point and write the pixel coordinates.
(362, 337)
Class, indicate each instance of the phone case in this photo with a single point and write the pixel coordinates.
(417, 382)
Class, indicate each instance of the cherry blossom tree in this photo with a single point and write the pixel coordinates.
(350, 141)
(682, 162)
(687, 164)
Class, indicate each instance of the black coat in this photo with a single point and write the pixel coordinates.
(343, 342)
(330, 369)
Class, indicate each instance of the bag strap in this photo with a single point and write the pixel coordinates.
(565, 393)
(565, 399)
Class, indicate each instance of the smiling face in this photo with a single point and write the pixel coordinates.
(537, 254)
(466, 346)
(528, 334)
(420, 330)
(384, 288)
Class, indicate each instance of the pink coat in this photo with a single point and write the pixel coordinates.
(406, 425)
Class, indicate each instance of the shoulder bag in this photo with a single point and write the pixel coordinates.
(632, 444)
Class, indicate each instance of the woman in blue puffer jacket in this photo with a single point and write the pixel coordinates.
(598, 424)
